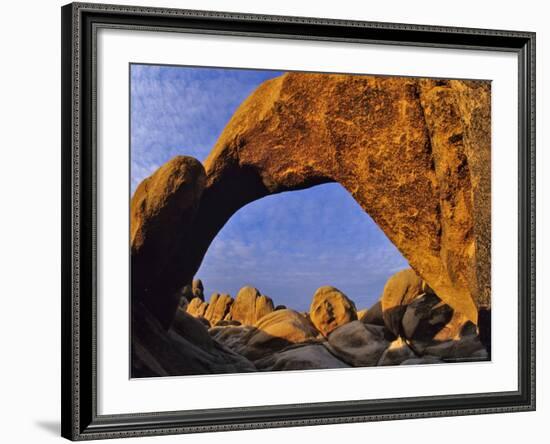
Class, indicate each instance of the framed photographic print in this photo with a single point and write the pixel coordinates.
(278, 221)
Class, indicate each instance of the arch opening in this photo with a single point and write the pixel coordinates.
(258, 204)
(289, 244)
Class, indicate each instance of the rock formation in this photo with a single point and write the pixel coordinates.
(304, 357)
(467, 348)
(458, 327)
(185, 349)
(361, 313)
(330, 308)
(414, 153)
(202, 341)
(273, 332)
(373, 315)
(358, 344)
(400, 290)
(197, 289)
(422, 361)
(162, 212)
(250, 306)
(218, 307)
(197, 308)
(425, 317)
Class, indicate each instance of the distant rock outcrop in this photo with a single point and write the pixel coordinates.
(197, 289)
(250, 306)
(197, 307)
(330, 308)
(414, 153)
(218, 307)
(397, 352)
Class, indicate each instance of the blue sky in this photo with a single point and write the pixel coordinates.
(286, 245)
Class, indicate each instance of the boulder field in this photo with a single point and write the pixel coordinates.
(408, 325)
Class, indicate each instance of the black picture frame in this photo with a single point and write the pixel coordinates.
(79, 395)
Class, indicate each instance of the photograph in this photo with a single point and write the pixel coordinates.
(274, 222)
(292, 220)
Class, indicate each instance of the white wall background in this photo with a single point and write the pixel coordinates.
(30, 219)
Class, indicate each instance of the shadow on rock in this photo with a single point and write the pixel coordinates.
(185, 349)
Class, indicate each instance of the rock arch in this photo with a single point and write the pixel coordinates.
(414, 153)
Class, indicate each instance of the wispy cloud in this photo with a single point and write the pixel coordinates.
(290, 244)
(287, 245)
(176, 110)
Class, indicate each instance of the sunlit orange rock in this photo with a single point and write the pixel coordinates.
(330, 308)
(414, 153)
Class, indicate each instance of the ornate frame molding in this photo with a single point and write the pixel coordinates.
(80, 22)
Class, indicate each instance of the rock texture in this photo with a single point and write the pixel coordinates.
(358, 344)
(467, 348)
(202, 340)
(218, 307)
(400, 290)
(458, 327)
(197, 289)
(185, 349)
(396, 353)
(442, 103)
(278, 330)
(197, 307)
(373, 315)
(425, 317)
(250, 306)
(264, 306)
(422, 361)
(272, 333)
(232, 336)
(162, 213)
(305, 357)
(330, 308)
(414, 153)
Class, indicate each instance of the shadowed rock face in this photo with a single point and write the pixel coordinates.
(162, 212)
(272, 333)
(218, 307)
(373, 315)
(185, 349)
(358, 344)
(304, 357)
(330, 308)
(399, 291)
(414, 153)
